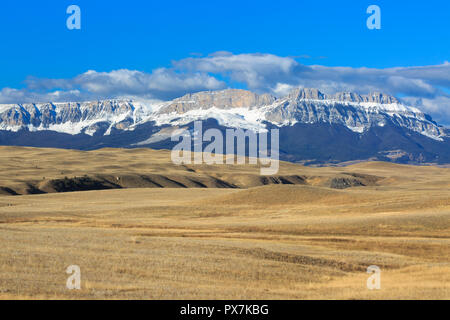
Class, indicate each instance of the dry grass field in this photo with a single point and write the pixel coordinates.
(160, 231)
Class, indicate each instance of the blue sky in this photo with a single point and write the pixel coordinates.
(169, 44)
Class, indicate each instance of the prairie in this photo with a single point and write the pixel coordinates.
(140, 227)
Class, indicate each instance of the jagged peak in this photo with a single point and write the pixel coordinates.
(225, 94)
(306, 94)
(232, 98)
(304, 105)
(345, 96)
(223, 99)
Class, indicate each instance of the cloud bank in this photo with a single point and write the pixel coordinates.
(426, 87)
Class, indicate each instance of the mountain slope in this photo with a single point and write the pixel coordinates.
(314, 127)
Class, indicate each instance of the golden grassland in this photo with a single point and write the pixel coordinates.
(219, 232)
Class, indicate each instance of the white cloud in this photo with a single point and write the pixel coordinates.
(264, 72)
(428, 85)
(160, 84)
(258, 71)
(438, 107)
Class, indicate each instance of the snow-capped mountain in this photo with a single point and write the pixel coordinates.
(71, 118)
(232, 108)
(101, 122)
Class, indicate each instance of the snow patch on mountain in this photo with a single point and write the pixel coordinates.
(231, 108)
(248, 119)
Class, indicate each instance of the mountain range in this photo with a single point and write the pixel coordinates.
(315, 128)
